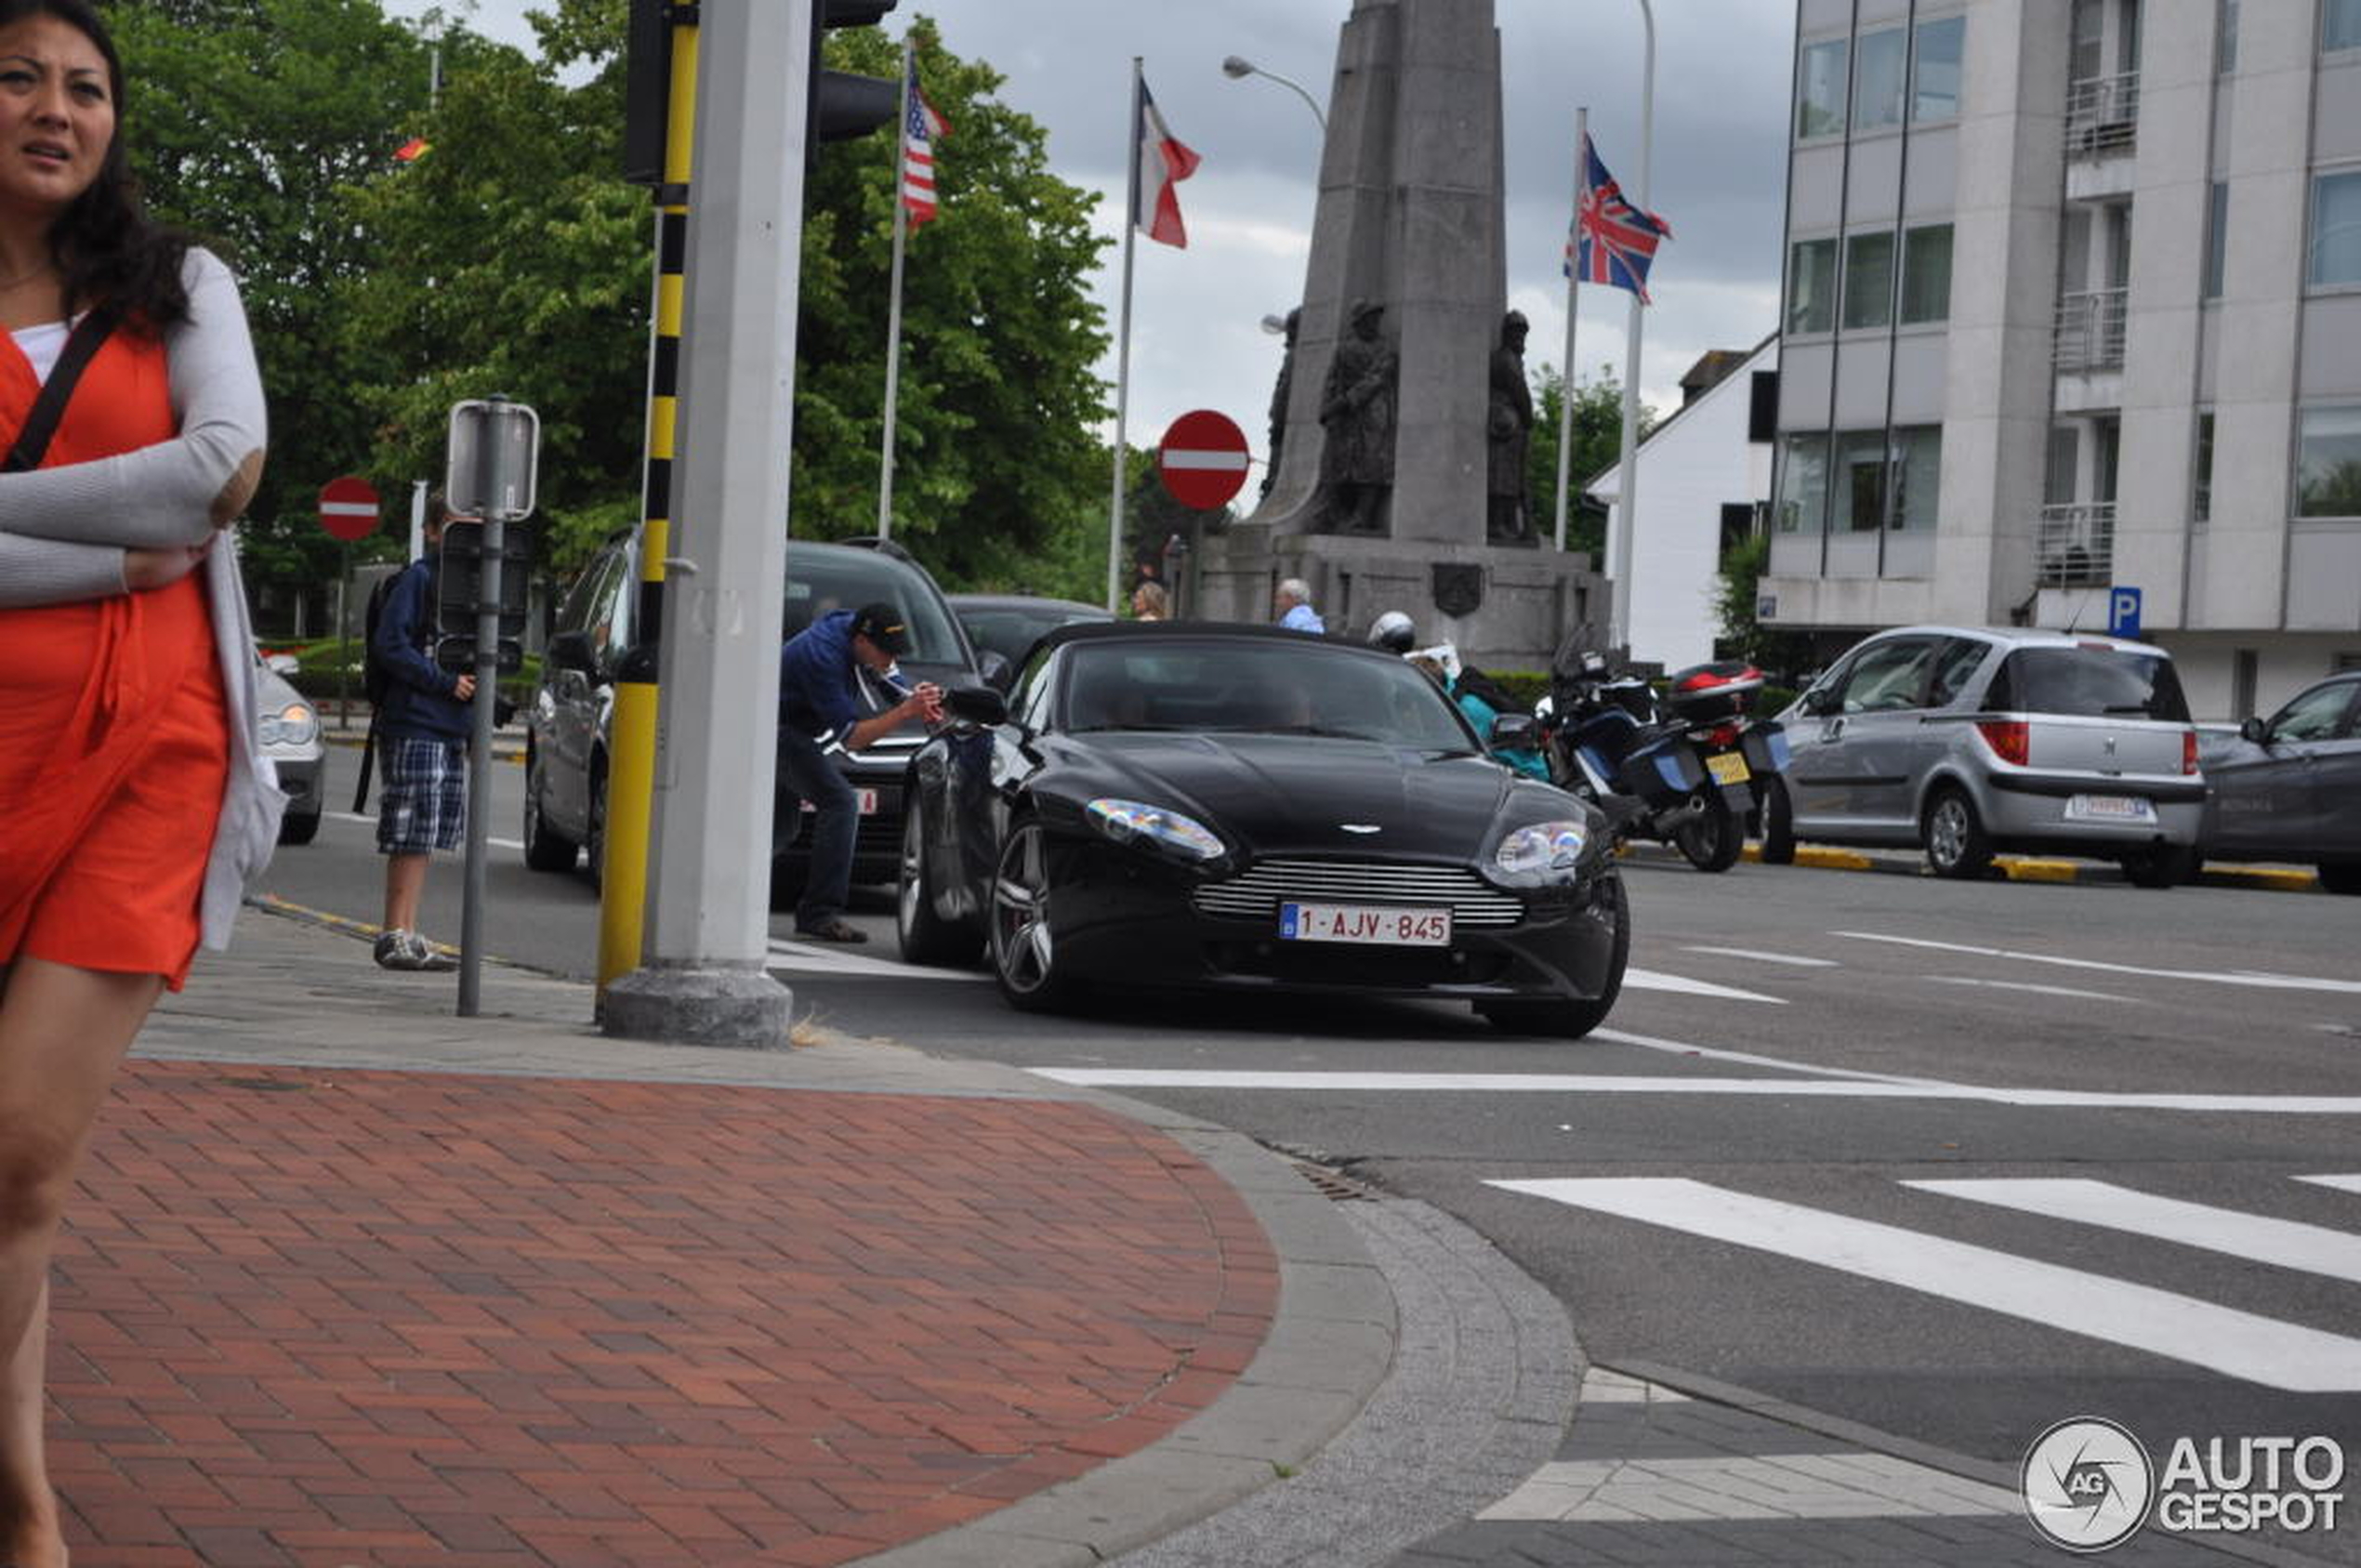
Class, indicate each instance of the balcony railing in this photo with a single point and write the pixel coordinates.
(2102, 115)
(2090, 330)
(2074, 545)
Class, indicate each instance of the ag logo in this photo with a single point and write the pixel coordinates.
(2087, 1484)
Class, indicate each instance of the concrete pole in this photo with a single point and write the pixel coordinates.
(1628, 479)
(702, 979)
(1574, 289)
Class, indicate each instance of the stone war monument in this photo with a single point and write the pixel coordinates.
(1403, 417)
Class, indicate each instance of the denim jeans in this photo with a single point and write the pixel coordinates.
(808, 772)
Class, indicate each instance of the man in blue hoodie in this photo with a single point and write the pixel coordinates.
(423, 731)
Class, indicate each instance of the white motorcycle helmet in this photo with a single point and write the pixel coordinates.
(1393, 632)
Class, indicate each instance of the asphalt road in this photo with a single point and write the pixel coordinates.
(1952, 1161)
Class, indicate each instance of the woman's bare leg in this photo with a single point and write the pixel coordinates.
(63, 1031)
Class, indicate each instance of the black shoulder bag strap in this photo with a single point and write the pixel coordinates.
(32, 442)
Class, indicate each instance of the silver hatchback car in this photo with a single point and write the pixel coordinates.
(1967, 740)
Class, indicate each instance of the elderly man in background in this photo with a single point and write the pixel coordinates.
(1292, 605)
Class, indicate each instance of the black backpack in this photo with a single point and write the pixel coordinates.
(376, 680)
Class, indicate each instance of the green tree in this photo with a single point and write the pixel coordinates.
(1781, 654)
(1598, 440)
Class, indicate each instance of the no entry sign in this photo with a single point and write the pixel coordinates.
(1203, 460)
(349, 508)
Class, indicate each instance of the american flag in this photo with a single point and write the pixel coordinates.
(918, 130)
(1611, 242)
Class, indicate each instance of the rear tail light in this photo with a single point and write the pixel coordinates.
(2010, 738)
(2188, 751)
(1723, 735)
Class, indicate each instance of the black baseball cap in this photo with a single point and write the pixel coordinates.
(883, 624)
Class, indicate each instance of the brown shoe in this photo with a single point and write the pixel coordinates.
(834, 931)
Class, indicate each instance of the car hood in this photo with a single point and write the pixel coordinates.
(1295, 794)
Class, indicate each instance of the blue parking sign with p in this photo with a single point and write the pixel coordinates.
(2123, 612)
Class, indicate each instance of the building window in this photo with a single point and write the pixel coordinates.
(1878, 76)
(2201, 496)
(1935, 69)
(1926, 274)
(1803, 483)
(1861, 481)
(2225, 54)
(2336, 227)
(1819, 100)
(1812, 286)
(2217, 237)
(1868, 280)
(2327, 463)
(1918, 477)
(2340, 24)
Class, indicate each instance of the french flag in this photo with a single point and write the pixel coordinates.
(1163, 163)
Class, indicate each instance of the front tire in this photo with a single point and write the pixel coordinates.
(1025, 960)
(1713, 840)
(1955, 843)
(1778, 823)
(1571, 1020)
(545, 849)
(298, 830)
(926, 937)
(2167, 865)
(2341, 877)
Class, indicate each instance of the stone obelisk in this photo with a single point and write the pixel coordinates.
(1409, 221)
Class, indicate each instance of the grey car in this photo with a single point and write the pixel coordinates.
(1968, 740)
(2289, 788)
(288, 728)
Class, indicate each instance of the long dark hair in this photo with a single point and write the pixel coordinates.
(106, 249)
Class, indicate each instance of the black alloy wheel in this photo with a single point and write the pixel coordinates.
(1571, 1020)
(1024, 950)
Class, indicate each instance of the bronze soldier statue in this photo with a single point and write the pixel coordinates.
(1508, 518)
(1356, 418)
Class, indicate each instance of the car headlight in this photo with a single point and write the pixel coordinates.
(1129, 821)
(294, 724)
(1540, 848)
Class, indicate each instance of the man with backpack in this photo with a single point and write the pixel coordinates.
(421, 727)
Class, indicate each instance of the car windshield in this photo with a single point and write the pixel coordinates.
(2094, 681)
(820, 581)
(1272, 687)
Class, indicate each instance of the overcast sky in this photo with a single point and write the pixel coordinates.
(1716, 174)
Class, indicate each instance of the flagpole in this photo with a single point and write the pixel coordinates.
(1573, 283)
(1123, 341)
(894, 308)
(1628, 476)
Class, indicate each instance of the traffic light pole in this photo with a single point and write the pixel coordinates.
(702, 978)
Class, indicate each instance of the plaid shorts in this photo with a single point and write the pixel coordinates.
(422, 804)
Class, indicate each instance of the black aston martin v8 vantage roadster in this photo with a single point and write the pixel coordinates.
(1243, 808)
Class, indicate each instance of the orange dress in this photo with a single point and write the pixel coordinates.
(115, 744)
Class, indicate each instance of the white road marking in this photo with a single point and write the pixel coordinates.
(838, 958)
(1797, 959)
(1725, 1487)
(2341, 1183)
(1652, 980)
(2258, 1238)
(2234, 977)
(2028, 985)
(1604, 1083)
(2236, 1344)
(1749, 1058)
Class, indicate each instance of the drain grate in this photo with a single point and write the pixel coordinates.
(1333, 1187)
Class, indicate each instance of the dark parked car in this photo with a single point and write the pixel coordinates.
(2289, 788)
(1971, 739)
(1009, 624)
(567, 726)
(1249, 809)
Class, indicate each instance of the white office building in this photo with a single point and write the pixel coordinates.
(2073, 306)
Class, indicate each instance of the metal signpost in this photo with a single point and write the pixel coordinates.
(493, 453)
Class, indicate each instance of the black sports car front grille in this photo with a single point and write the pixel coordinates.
(1257, 892)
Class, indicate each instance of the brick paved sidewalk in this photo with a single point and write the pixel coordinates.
(307, 1316)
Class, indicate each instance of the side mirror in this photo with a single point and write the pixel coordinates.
(1514, 731)
(996, 671)
(570, 650)
(976, 704)
(2257, 731)
(1820, 700)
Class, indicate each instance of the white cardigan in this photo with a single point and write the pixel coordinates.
(63, 532)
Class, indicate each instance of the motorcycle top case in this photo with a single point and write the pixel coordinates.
(1713, 693)
(1662, 772)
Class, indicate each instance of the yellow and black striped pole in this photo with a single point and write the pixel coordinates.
(631, 781)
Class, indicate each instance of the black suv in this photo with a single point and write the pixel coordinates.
(568, 725)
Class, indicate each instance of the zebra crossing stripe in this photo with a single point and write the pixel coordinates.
(2258, 1238)
(2223, 1339)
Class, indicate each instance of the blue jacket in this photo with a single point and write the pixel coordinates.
(421, 699)
(816, 691)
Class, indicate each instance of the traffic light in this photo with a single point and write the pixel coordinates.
(845, 106)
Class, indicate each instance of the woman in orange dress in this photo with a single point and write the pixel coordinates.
(133, 803)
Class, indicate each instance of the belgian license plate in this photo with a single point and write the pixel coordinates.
(2110, 809)
(1727, 767)
(1364, 923)
(868, 798)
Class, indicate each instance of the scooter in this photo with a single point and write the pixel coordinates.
(1680, 770)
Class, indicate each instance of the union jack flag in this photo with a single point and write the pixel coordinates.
(1611, 242)
(918, 132)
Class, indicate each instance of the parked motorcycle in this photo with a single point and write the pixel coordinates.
(1680, 770)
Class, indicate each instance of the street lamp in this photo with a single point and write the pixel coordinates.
(1237, 66)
